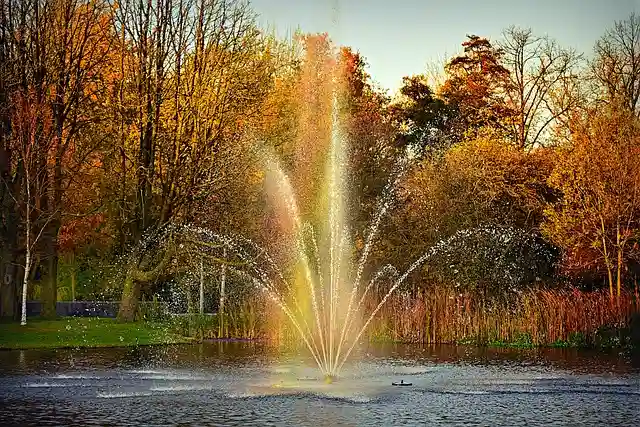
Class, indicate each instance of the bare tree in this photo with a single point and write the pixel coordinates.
(435, 71)
(541, 74)
(194, 76)
(616, 66)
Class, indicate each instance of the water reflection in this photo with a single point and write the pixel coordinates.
(211, 354)
(253, 383)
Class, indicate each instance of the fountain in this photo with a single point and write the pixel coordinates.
(331, 320)
(324, 297)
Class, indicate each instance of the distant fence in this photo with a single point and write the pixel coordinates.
(80, 308)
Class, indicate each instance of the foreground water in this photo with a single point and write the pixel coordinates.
(252, 384)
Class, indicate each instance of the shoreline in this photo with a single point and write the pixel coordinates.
(95, 332)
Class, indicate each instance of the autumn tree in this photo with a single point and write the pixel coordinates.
(369, 140)
(424, 120)
(475, 88)
(193, 77)
(480, 184)
(31, 140)
(52, 54)
(596, 221)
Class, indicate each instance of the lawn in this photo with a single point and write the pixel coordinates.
(83, 332)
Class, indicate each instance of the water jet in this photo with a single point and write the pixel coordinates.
(324, 290)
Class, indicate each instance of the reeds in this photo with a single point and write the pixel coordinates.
(444, 315)
(535, 317)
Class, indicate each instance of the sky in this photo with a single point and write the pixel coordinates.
(402, 37)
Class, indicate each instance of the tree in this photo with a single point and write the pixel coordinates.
(538, 70)
(597, 220)
(493, 259)
(475, 87)
(369, 139)
(477, 185)
(52, 54)
(193, 77)
(31, 142)
(424, 120)
(616, 65)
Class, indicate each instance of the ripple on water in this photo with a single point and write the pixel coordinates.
(123, 394)
(459, 391)
(534, 391)
(194, 391)
(174, 377)
(335, 397)
(52, 385)
(44, 385)
(76, 377)
(182, 387)
(346, 398)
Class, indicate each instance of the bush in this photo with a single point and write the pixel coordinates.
(494, 258)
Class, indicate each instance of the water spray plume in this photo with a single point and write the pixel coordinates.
(336, 307)
(324, 302)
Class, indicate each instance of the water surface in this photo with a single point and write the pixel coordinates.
(233, 384)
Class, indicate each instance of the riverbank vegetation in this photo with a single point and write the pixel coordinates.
(121, 120)
(536, 318)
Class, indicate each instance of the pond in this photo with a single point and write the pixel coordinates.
(249, 383)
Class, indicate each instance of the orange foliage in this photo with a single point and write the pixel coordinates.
(597, 221)
(79, 234)
(475, 84)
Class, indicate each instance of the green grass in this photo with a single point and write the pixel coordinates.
(84, 332)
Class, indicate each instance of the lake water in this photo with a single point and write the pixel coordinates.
(247, 384)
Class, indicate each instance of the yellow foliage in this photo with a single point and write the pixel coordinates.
(597, 220)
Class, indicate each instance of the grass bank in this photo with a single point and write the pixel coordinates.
(84, 332)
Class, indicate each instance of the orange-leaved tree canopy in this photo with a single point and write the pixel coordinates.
(475, 86)
(597, 221)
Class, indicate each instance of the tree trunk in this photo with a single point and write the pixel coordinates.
(9, 280)
(133, 285)
(619, 275)
(610, 277)
(73, 282)
(619, 244)
(25, 282)
(9, 285)
(223, 279)
(201, 286)
(50, 281)
(50, 235)
(189, 299)
(606, 259)
(27, 261)
(129, 303)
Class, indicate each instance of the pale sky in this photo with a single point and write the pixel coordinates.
(400, 37)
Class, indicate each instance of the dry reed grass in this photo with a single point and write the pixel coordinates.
(443, 315)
